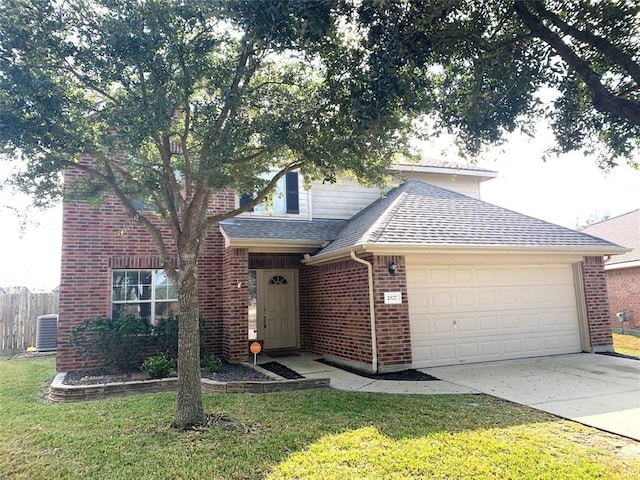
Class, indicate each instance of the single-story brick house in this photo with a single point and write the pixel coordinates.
(622, 272)
(424, 275)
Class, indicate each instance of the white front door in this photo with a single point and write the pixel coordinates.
(277, 318)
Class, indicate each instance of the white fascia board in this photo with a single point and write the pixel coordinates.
(227, 240)
(391, 248)
(482, 174)
(622, 265)
(443, 249)
(268, 245)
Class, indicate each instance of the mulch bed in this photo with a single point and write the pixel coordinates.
(621, 355)
(403, 375)
(231, 372)
(281, 370)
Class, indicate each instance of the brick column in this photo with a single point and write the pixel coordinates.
(235, 320)
(392, 320)
(597, 304)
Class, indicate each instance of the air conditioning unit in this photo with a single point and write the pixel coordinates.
(47, 333)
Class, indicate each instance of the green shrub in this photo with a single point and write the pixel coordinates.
(121, 344)
(166, 337)
(158, 366)
(211, 363)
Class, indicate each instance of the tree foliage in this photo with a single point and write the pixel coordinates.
(479, 66)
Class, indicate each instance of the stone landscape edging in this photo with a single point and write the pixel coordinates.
(61, 393)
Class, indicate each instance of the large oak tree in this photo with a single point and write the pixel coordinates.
(173, 101)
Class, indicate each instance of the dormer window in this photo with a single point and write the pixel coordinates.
(285, 197)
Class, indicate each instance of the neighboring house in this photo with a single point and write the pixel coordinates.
(622, 271)
(425, 275)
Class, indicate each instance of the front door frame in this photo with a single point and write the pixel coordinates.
(263, 276)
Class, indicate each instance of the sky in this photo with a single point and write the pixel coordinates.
(567, 190)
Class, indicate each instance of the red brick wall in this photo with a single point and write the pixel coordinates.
(336, 312)
(97, 239)
(336, 317)
(392, 321)
(235, 307)
(275, 261)
(597, 304)
(623, 288)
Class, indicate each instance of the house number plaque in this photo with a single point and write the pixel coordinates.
(392, 297)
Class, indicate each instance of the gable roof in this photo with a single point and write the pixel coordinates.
(422, 215)
(623, 230)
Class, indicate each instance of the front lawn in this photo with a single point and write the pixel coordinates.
(302, 435)
(626, 344)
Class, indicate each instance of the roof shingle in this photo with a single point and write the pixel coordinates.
(321, 231)
(420, 214)
(623, 230)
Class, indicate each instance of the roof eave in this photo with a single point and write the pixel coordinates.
(269, 245)
(622, 265)
(583, 250)
(482, 174)
(405, 249)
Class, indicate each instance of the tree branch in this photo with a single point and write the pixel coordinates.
(259, 198)
(153, 230)
(603, 100)
(602, 45)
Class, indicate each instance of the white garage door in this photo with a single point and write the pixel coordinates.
(464, 314)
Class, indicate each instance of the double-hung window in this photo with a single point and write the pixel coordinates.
(285, 197)
(147, 294)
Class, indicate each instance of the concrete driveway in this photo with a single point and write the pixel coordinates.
(597, 390)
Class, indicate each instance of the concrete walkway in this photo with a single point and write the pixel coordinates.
(307, 365)
(596, 390)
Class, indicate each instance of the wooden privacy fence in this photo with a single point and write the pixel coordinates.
(19, 311)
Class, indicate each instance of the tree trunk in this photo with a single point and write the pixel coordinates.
(189, 411)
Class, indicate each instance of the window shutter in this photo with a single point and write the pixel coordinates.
(244, 199)
(292, 192)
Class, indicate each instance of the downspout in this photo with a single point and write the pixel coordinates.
(372, 312)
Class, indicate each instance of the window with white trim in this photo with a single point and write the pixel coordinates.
(147, 294)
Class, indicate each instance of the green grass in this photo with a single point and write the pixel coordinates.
(307, 434)
(626, 344)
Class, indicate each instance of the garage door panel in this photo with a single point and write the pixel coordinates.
(557, 295)
(467, 324)
(490, 298)
(469, 350)
(443, 326)
(489, 322)
(446, 352)
(534, 344)
(481, 313)
(490, 348)
(561, 341)
(486, 298)
(512, 346)
(449, 325)
(492, 276)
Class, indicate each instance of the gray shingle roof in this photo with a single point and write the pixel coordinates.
(623, 230)
(420, 214)
(321, 231)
